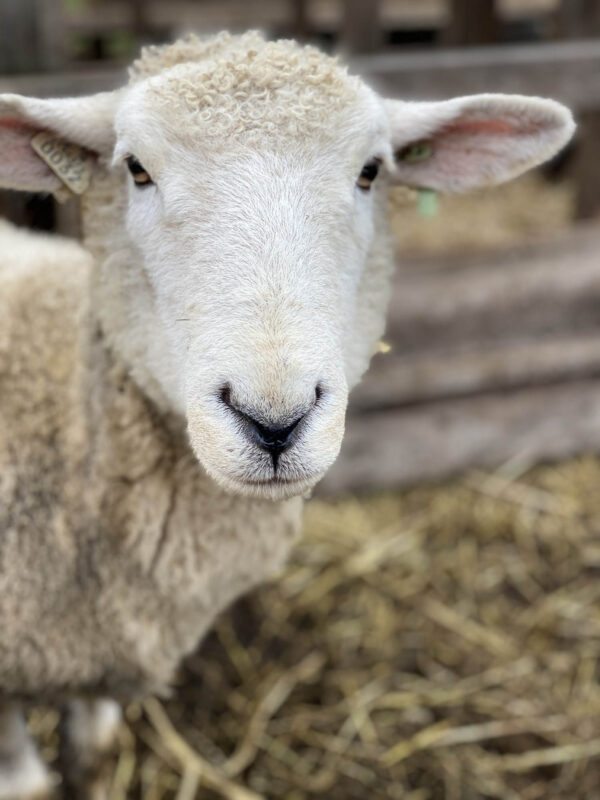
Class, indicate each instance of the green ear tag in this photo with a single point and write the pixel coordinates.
(427, 203)
(415, 152)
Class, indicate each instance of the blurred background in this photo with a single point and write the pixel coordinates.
(437, 633)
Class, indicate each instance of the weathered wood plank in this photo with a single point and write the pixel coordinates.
(568, 71)
(586, 166)
(50, 23)
(577, 18)
(522, 294)
(31, 35)
(473, 22)
(17, 35)
(361, 27)
(433, 441)
(491, 359)
(84, 80)
(322, 15)
(299, 23)
(396, 380)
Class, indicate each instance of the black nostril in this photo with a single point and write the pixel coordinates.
(225, 395)
(273, 439)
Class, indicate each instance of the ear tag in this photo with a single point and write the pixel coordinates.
(415, 152)
(71, 163)
(427, 203)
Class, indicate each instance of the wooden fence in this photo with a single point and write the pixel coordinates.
(493, 360)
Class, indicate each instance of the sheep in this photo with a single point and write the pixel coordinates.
(172, 388)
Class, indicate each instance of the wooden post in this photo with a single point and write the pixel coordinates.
(300, 26)
(472, 22)
(581, 19)
(31, 40)
(31, 35)
(50, 29)
(18, 52)
(578, 19)
(361, 31)
(586, 165)
(140, 25)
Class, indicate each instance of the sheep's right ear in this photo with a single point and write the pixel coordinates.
(481, 140)
(84, 122)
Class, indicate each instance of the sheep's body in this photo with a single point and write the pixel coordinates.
(116, 550)
(168, 392)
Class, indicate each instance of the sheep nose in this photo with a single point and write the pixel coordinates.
(273, 439)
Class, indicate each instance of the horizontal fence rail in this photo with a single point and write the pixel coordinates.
(567, 71)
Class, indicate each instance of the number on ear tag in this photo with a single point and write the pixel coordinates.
(71, 163)
(415, 152)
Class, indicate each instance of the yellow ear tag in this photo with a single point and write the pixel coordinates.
(69, 162)
(427, 203)
(415, 152)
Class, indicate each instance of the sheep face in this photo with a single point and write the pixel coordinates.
(263, 248)
(238, 222)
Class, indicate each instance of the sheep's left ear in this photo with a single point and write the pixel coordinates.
(474, 141)
(74, 128)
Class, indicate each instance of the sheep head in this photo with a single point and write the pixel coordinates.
(237, 212)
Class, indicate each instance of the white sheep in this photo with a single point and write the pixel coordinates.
(171, 389)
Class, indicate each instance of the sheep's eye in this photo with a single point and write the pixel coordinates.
(368, 174)
(140, 176)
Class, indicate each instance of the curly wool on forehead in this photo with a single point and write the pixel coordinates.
(245, 87)
(191, 48)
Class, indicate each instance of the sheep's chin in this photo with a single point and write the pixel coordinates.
(268, 489)
(241, 468)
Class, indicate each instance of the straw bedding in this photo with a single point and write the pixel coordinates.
(434, 643)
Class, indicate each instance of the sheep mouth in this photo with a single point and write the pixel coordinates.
(275, 480)
(284, 485)
(276, 487)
